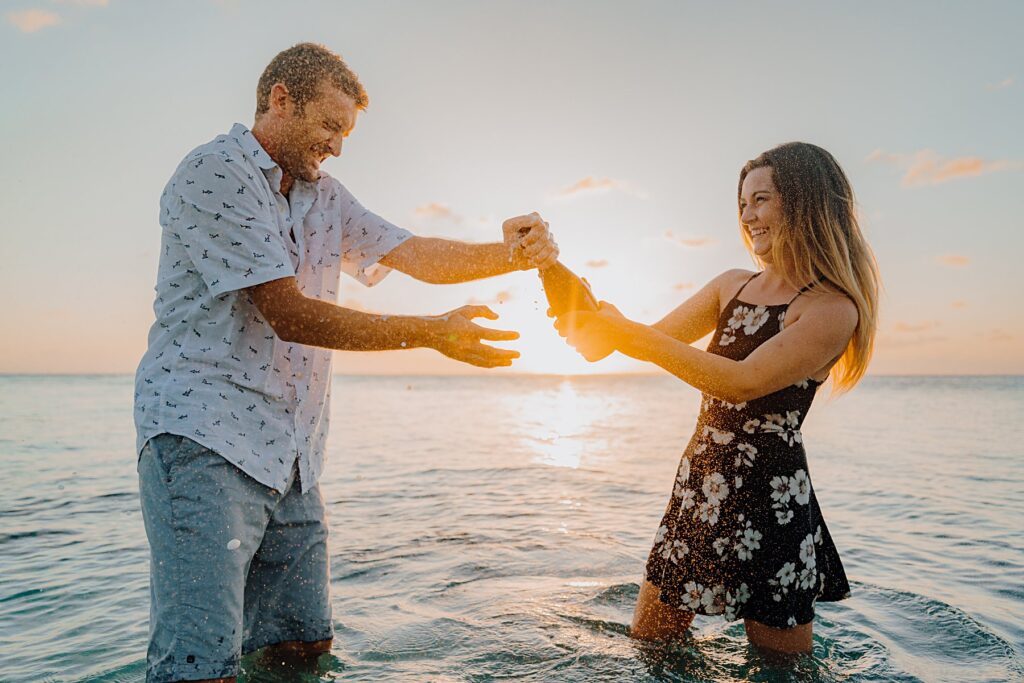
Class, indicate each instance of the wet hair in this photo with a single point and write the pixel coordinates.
(822, 240)
(302, 68)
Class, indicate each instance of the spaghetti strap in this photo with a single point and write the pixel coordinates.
(805, 288)
(736, 295)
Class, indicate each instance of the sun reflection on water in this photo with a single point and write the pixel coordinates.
(561, 423)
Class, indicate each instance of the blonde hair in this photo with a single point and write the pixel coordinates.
(822, 241)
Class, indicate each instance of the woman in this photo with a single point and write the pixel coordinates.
(743, 535)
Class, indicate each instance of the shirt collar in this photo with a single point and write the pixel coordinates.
(254, 150)
(252, 147)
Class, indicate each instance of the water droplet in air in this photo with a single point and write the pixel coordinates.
(233, 544)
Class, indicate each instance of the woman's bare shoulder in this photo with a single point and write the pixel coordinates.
(836, 305)
(729, 282)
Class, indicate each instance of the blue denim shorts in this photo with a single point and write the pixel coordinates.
(234, 566)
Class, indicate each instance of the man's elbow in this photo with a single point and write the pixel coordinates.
(284, 331)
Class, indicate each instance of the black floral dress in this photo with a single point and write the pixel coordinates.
(743, 535)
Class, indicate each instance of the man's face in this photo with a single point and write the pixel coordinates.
(316, 132)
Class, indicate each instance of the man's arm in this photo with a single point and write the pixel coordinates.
(442, 261)
(297, 318)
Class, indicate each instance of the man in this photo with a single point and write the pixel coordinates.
(232, 395)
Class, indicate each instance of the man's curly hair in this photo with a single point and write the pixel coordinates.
(302, 68)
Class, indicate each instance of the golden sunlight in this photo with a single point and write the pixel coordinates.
(559, 422)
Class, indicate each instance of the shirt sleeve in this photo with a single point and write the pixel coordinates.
(226, 223)
(366, 238)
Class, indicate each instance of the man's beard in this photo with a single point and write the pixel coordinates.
(297, 165)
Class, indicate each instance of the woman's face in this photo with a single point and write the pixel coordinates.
(761, 210)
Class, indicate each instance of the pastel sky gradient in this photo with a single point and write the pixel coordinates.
(624, 124)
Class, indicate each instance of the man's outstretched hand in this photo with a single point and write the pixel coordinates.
(529, 242)
(458, 337)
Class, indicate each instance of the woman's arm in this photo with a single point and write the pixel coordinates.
(804, 347)
(698, 315)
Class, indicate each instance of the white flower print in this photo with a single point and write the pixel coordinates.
(783, 517)
(817, 535)
(753, 320)
(802, 384)
(787, 574)
(780, 489)
(791, 622)
(718, 436)
(738, 315)
(738, 482)
(785, 427)
(735, 599)
(751, 425)
(807, 555)
(800, 487)
(682, 477)
(738, 407)
(675, 551)
(751, 538)
(688, 496)
(701, 447)
(726, 339)
(708, 513)
(694, 592)
(713, 599)
(720, 544)
(715, 489)
(782, 320)
(807, 577)
(748, 452)
(684, 471)
(660, 536)
(749, 541)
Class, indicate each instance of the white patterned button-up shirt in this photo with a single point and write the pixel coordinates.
(214, 370)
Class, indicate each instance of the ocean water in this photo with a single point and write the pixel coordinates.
(495, 528)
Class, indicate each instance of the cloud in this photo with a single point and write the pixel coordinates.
(683, 286)
(597, 263)
(907, 327)
(1001, 85)
(692, 242)
(84, 3)
(927, 167)
(590, 184)
(501, 297)
(1000, 335)
(32, 20)
(954, 260)
(891, 343)
(959, 303)
(438, 211)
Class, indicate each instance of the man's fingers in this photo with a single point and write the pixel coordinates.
(491, 334)
(477, 311)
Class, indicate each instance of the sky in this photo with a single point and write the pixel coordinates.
(624, 124)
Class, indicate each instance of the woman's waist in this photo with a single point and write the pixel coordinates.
(727, 430)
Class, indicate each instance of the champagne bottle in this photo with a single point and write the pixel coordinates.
(565, 291)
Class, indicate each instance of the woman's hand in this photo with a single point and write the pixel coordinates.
(594, 334)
